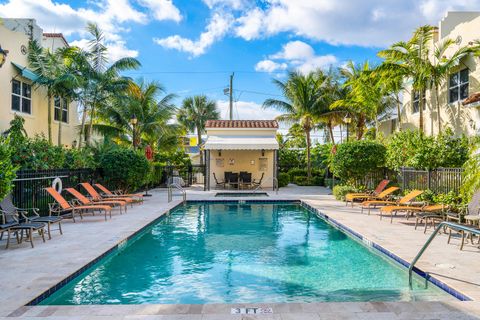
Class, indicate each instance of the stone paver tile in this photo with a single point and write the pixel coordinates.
(300, 316)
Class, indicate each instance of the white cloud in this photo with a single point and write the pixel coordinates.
(295, 50)
(346, 22)
(216, 29)
(110, 15)
(247, 110)
(162, 9)
(234, 4)
(269, 66)
(296, 55)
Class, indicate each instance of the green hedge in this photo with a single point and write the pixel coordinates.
(125, 168)
(283, 179)
(7, 169)
(355, 159)
(340, 191)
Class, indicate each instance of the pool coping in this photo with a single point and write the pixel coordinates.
(440, 284)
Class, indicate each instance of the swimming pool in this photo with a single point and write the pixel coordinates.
(227, 252)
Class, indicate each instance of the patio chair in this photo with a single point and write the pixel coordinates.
(351, 197)
(245, 179)
(408, 209)
(218, 183)
(383, 201)
(430, 213)
(258, 184)
(31, 215)
(136, 197)
(233, 180)
(11, 224)
(96, 197)
(471, 214)
(63, 208)
(122, 205)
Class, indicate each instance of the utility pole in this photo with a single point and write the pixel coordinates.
(231, 95)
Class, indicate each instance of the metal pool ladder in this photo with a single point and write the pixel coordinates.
(179, 188)
(452, 225)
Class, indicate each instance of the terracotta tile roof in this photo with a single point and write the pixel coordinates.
(254, 124)
(55, 35)
(475, 97)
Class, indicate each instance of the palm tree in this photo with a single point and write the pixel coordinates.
(442, 67)
(366, 99)
(411, 60)
(194, 113)
(143, 102)
(302, 103)
(392, 83)
(100, 81)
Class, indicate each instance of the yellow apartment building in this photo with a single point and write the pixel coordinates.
(18, 93)
(459, 96)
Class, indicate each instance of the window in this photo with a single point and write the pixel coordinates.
(458, 86)
(21, 96)
(416, 101)
(60, 105)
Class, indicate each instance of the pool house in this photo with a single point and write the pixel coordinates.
(241, 154)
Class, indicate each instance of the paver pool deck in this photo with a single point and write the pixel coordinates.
(26, 273)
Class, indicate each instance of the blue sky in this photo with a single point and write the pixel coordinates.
(192, 46)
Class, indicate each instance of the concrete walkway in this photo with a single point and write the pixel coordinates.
(26, 272)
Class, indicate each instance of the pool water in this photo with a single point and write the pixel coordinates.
(232, 253)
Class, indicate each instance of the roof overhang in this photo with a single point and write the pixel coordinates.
(25, 72)
(241, 143)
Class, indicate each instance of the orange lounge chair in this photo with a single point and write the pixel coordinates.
(138, 197)
(351, 197)
(85, 201)
(97, 197)
(393, 210)
(382, 196)
(63, 206)
(403, 201)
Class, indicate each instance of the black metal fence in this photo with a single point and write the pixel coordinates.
(190, 175)
(28, 190)
(440, 180)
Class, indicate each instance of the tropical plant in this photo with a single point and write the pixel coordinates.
(442, 66)
(126, 168)
(355, 159)
(413, 149)
(99, 79)
(52, 73)
(194, 113)
(366, 98)
(302, 103)
(7, 168)
(141, 102)
(411, 60)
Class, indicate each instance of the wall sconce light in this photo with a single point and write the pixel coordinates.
(3, 56)
(219, 153)
(74, 143)
(263, 152)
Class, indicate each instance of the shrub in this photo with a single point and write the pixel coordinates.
(318, 181)
(339, 191)
(125, 168)
(471, 175)
(292, 158)
(414, 149)
(7, 169)
(355, 159)
(329, 182)
(177, 158)
(37, 154)
(76, 159)
(283, 179)
(300, 180)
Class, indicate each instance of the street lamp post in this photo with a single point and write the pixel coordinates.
(133, 122)
(347, 121)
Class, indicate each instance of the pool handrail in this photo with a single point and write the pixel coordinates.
(442, 224)
(177, 186)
